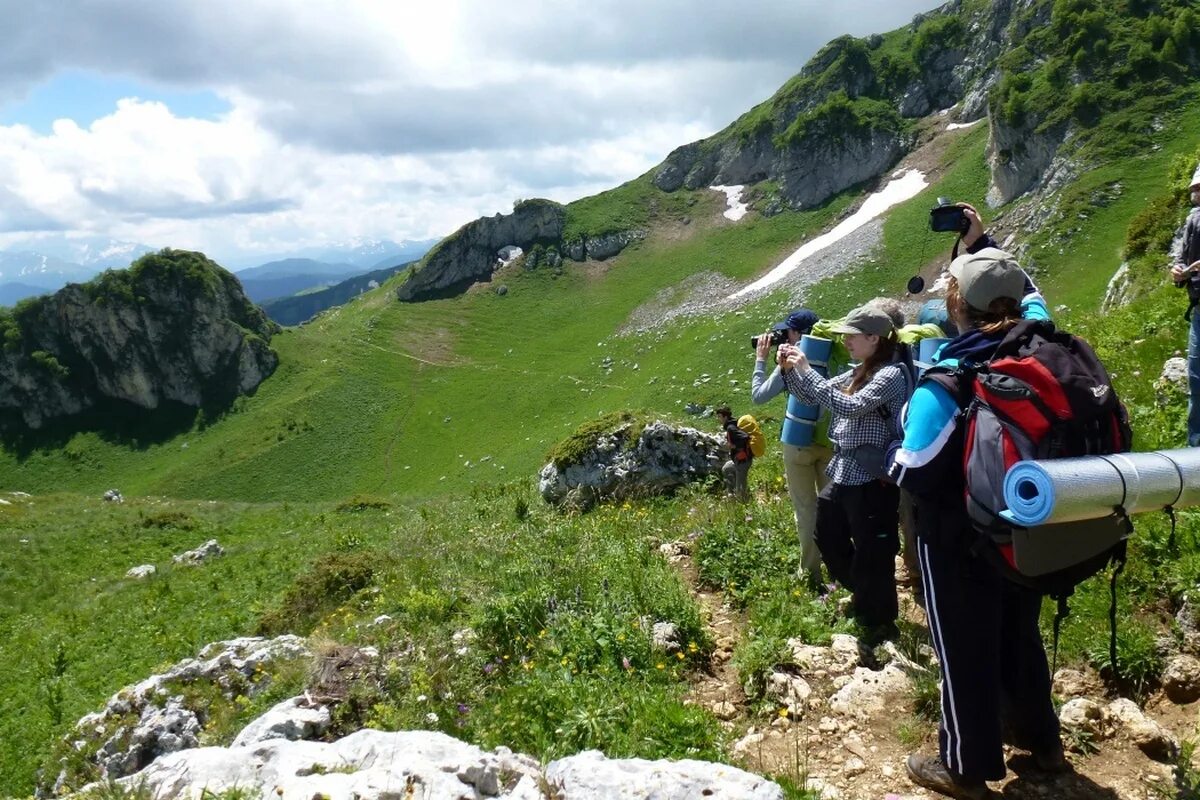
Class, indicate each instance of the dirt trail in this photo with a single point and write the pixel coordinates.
(853, 757)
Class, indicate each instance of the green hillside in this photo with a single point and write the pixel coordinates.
(389, 465)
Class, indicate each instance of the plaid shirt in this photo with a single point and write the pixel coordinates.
(857, 419)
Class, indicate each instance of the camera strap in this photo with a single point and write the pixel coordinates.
(954, 250)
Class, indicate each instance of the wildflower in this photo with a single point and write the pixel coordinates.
(625, 662)
(421, 698)
(463, 708)
(542, 633)
(489, 668)
(783, 712)
(431, 718)
(620, 637)
(528, 665)
(692, 647)
(660, 665)
(564, 661)
(679, 656)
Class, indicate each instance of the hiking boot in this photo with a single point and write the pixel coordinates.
(1052, 760)
(930, 772)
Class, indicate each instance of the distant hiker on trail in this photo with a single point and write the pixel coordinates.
(1185, 272)
(803, 464)
(995, 679)
(737, 469)
(857, 511)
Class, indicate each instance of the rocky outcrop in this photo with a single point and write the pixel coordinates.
(142, 722)
(373, 765)
(533, 232)
(1019, 156)
(174, 327)
(632, 462)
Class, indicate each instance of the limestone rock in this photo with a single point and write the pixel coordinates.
(296, 718)
(789, 690)
(210, 549)
(666, 636)
(661, 458)
(469, 255)
(174, 328)
(1083, 715)
(368, 764)
(868, 692)
(724, 710)
(1150, 737)
(113, 496)
(1181, 679)
(1118, 292)
(1070, 683)
(140, 572)
(591, 775)
(1173, 381)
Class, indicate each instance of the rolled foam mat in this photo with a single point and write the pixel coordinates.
(1089, 487)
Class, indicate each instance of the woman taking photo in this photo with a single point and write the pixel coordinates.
(857, 511)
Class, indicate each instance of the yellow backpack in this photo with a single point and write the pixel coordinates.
(758, 442)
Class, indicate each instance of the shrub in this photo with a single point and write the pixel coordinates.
(363, 502)
(332, 579)
(49, 363)
(169, 519)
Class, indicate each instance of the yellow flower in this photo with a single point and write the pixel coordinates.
(679, 656)
(660, 665)
(542, 633)
(783, 712)
(564, 661)
(692, 647)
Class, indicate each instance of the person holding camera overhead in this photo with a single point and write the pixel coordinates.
(804, 465)
(857, 513)
(1185, 272)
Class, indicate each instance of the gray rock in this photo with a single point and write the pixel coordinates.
(660, 459)
(1019, 157)
(469, 255)
(1181, 679)
(869, 692)
(608, 245)
(296, 718)
(1151, 738)
(1119, 289)
(204, 552)
(666, 636)
(788, 690)
(1175, 373)
(167, 341)
(1083, 715)
(593, 776)
(1070, 683)
(140, 572)
(113, 496)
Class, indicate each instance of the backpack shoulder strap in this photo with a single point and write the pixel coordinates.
(955, 380)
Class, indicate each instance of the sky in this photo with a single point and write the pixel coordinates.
(239, 127)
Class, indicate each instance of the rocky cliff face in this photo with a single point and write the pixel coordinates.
(173, 327)
(470, 254)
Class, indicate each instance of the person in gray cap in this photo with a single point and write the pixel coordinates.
(857, 511)
(995, 679)
(1185, 272)
(803, 463)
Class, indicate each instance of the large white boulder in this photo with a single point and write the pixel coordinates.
(594, 776)
(295, 718)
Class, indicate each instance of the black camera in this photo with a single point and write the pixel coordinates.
(948, 218)
(777, 338)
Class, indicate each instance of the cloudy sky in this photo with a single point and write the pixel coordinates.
(253, 126)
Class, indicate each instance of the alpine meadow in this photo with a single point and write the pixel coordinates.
(372, 474)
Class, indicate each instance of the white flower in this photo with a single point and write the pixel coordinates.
(431, 718)
(421, 698)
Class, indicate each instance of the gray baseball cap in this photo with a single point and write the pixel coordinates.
(864, 319)
(988, 275)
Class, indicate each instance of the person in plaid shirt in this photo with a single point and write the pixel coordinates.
(857, 516)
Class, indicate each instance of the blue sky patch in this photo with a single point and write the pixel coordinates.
(86, 96)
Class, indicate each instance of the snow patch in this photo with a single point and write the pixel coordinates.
(509, 254)
(897, 191)
(955, 126)
(735, 208)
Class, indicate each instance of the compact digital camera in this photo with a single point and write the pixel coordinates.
(946, 217)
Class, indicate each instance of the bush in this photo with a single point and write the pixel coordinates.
(332, 580)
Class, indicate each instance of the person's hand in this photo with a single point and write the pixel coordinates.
(975, 229)
(1179, 273)
(794, 359)
(764, 346)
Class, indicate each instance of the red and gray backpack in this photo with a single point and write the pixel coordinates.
(1043, 395)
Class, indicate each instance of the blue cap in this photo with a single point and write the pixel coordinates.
(800, 320)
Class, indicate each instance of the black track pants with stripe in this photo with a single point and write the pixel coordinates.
(995, 679)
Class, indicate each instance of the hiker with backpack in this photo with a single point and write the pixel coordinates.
(803, 463)
(995, 677)
(856, 527)
(741, 456)
(1185, 273)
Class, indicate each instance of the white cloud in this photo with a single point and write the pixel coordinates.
(380, 118)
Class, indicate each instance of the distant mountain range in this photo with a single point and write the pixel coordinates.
(46, 265)
(297, 309)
